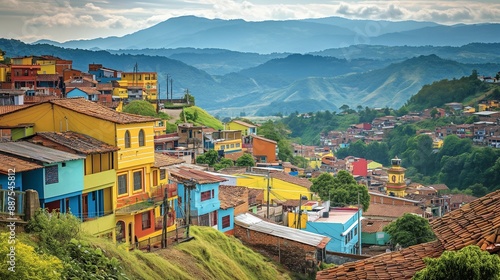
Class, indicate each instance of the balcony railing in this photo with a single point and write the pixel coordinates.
(157, 193)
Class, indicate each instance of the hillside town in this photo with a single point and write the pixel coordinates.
(68, 147)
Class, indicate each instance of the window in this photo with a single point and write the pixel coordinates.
(226, 221)
(127, 139)
(163, 174)
(237, 145)
(51, 174)
(137, 180)
(355, 231)
(146, 220)
(206, 195)
(122, 184)
(141, 138)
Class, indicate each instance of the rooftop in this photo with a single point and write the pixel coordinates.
(19, 165)
(243, 123)
(303, 182)
(40, 153)
(162, 160)
(200, 177)
(232, 196)
(338, 216)
(391, 211)
(78, 142)
(252, 222)
(373, 225)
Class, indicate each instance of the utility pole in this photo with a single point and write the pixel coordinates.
(268, 190)
(359, 226)
(167, 87)
(165, 211)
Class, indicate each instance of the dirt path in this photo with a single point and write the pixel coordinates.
(174, 113)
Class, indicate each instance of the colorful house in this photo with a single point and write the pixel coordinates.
(59, 183)
(245, 128)
(98, 196)
(372, 232)
(132, 134)
(340, 224)
(263, 149)
(140, 85)
(199, 195)
(282, 186)
(89, 93)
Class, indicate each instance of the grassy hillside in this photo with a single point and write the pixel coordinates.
(210, 255)
(198, 116)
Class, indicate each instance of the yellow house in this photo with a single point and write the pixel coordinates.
(121, 93)
(245, 128)
(146, 82)
(282, 186)
(396, 186)
(133, 163)
(48, 66)
(4, 69)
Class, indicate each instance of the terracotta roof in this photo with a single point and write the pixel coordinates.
(104, 86)
(198, 176)
(93, 109)
(19, 165)
(439, 187)
(233, 170)
(255, 192)
(243, 123)
(373, 225)
(394, 265)
(232, 196)
(162, 160)
(11, 108)
(476, 223)
(462, 198)
(303, 182)
(391, 211)
(78, 142)
(470, 223)
(262, 138)
(87, 90)
(234, 156)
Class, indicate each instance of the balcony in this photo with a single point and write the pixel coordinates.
(170, 221)
(99, 180)
(157, 193)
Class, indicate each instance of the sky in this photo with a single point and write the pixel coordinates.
(63, 20)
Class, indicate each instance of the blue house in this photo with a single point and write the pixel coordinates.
(59, 181)
(200, 190)
(88, 93)
(341, 225)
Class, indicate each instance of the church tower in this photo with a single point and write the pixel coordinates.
(396, 184)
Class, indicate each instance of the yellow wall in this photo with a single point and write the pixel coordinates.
(280, 190)
(120, 92)
(293, 218)
(100, 226)
(237, 126)
(147, 80)
(47, 66)
(135, 155)
(229, 145)
(22, 61)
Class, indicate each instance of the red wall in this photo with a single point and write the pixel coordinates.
(360, 167)
(139, 232)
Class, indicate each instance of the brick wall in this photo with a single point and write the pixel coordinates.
(375, 199)
(294, 255)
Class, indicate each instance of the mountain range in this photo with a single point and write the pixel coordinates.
(264, 68)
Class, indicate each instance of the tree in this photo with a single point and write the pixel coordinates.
(409, 230)
(210, 157)
(341, 190)
(245, 160)
(223, 163)
(469, 263)
(344, 108)
(140, 107)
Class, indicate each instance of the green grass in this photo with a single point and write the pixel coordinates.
(210, 255)
(204, 118)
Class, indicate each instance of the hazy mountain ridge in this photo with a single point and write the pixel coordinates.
(297, 82)
(300, 36)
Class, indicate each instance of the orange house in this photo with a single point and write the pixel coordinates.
(263, 149)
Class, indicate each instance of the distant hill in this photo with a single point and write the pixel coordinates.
(293, 36)
(303, 83)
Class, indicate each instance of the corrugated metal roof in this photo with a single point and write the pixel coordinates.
(37, 152)
(252, 222)
(197, 176)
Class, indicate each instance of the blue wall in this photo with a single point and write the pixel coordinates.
(33, 179)
(95, 203)
(222, 213)
(339, 234)
(4, 181)
(74, 203)
(76, 92)
(70, 180)
(199, 207)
